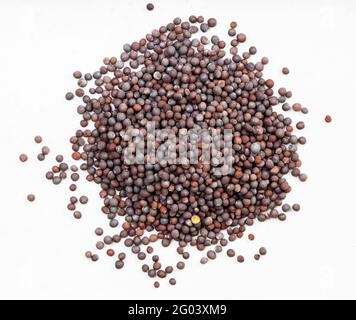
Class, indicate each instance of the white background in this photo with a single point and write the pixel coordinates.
(311, 255)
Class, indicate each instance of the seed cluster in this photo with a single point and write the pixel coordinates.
(179, 81)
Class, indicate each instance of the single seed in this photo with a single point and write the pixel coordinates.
(285, 70)
(240, 259)
(38, 139)
(23, 157)
(262, 251)
(77, 214)
(230, 253)
(31, 197)
(150, 6)
(328, 119)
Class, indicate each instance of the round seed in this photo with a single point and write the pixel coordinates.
(23, 157)
(328, 119)
(262, 251)
(240, 259)
(31, 197)
(230, 253)
(38, 139)
(150, 6)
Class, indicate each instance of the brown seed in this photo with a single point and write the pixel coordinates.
(69, 95)
(77, 214)
(77, 74)
(110, 252)
(156, 284)
(79, 92)
(251, 237)
(31, 197)
(256, 257)
(297, 107)
(285, 70)
(172, 281)
(262, 251)
(230, 253)
(100, 245)
(88, 254)
(240, 259)
(83, 199)
(94, 257)
(38, 139)
(180, 265)
(233, 24)
(150, 6)
(99, 231)
(23, 157)
(328, 119)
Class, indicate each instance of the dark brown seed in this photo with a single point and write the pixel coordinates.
(150, 6)
(99, 231)
(300, 125)
(262, 251)
(156, 284)
(23, 157)
(285, 70)
(100, 245)
(38, 139)
(88, 254)
(230, 253)
(240, 259)
(73, 187)
(119, 264)
(211, 254)
(41, 157)
(172, 281)
(296, 207)
(297, 107)
(94, 257)
(122, 255)
(77, 214)
(79, 92)
(180, 265)
(74, 176)
(328, 119)
(45, 150)
(204, 260)
(83, 199)
(69, 95)
(77, 74)
(169, 269)
(59, 158)
(31, 197)
(256, 257)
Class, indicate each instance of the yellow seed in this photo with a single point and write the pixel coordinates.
(195, 219)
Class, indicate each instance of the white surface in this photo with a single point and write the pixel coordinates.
(311, 255)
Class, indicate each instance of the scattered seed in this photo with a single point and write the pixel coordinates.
(23, 157)
(31, 197)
